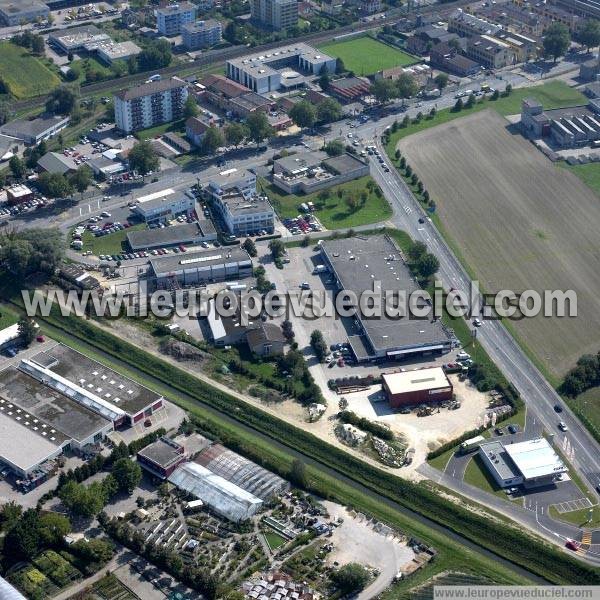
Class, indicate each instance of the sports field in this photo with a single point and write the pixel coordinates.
(520, 223)
(365, 55)
(25, 75)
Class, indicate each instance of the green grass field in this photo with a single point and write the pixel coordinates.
(588, 405)
(25, 75)
(332, 210)
(113, 243)
(274, 540)
(153, 132)
(589, 174)
(578, 517)
(365, 55)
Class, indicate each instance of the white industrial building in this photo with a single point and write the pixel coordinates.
(150, 104)
(287, 67)
(17, 12)
(533, 463)
(221, 496)
(164, 205)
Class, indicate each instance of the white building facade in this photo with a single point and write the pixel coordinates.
(150, 104)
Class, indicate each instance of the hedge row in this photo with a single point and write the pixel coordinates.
(529, 552)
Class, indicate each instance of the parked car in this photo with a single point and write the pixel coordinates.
(513, 428)
(499, 431)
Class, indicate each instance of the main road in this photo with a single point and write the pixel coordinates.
(539, 396)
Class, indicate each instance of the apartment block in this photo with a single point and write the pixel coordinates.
(170, 19)
(201, 34)
(275, 14)
(150, 104)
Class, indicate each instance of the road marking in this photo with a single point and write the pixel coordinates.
(586, 538)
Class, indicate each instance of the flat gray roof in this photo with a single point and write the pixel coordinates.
(187, 233)
(161, 452)
(301, 160)
(47, 409)
(33, 127)
(500, 460)
(198, 258)
(22, 447)
(344, 163)
(91, 375)
(360, 261)
(307, 52)
(238, 204)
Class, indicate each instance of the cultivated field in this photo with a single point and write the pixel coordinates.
(520, 223)
(24, 75)
(365, 55)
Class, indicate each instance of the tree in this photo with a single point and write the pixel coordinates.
(329, 110)
(27, 330)
(127, 473)
(340, 67)
(55, 185)
(351, 201)
(458, 106)
(258, 126)
(156, 55)
(427, 266)
(556, 40)
(351, 578)
(85, 501)
(441, 80)
(32, 251)
(63, 100)
(277, 248)
(318, 344)
(94, 550)
(297, 474)
(52, 528)
(235, 133)
(588, 34)
(324, 78)
(416, 251)
(250, 247)
(212, 140)
(11, 513)
(384, 90)
(303, 114)
(23, 538)
(406, 86)
(81, 179)
(143, 158)
(17, 167)
(334, 148)
(190, 108)
(471, 101)
(37, 44)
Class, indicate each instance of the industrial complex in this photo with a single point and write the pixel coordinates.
(60, 400)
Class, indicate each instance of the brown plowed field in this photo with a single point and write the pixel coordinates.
(520, 223)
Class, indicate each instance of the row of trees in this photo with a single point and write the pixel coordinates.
(423, 264)
(557, 37)
(583, 376)
(31, 251)
(318, 345)
(306, 114)
(385, 90)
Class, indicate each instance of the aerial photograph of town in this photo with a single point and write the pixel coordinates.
(299, 299)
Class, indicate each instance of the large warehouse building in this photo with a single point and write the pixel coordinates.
(409, 388)
(200, 267)
(532, 464)
(220, 495)
(357, 263)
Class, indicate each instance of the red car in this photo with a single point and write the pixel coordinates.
(573, 545)
(40, 338)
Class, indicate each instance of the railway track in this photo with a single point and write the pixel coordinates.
(218, 57)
